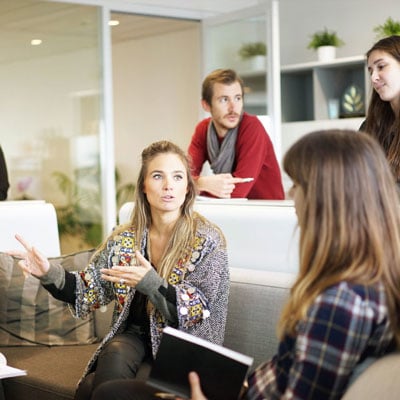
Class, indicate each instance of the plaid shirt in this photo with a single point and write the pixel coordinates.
(346, 324)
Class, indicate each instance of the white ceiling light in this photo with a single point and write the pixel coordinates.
(36, 42)
(113, 22)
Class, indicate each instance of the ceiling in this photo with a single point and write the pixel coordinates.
(65, 27)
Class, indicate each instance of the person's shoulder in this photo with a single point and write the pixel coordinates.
(205, 227)
(249, 119)
(122, 230)
(346, 293)
(251, 123)
(203, 123)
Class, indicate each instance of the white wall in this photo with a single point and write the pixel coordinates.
(157, 84)
(353, 20)
(38, 116)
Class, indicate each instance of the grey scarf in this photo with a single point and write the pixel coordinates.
(221, 158)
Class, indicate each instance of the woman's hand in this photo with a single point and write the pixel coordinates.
(129, 276)
(32, 262)
(195, 388)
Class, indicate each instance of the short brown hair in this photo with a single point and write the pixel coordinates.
(224, 76)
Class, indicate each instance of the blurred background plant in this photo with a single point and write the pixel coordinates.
(79, 218)
(324, 38)
(249, 50)
(388, 28)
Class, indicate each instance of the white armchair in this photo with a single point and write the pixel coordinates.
(261, 235)
(35, 220)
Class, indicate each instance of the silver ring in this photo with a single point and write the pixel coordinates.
(122, 281)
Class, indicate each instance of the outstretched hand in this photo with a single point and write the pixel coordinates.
(219, 185)
(32, 262)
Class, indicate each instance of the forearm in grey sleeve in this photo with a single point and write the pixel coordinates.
(161, 294)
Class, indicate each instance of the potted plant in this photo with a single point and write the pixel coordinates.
(325, 42)
(79, 219)
(255, 52)
(389, 28)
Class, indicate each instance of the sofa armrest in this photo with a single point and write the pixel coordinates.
(35, 220)
(379, 381)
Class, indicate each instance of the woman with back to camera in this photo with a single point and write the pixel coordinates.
(344, 307)
(168, 266)
(383, 117)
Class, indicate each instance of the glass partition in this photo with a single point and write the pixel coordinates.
(51, 74)
(239, 41)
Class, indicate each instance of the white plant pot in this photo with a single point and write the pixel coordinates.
(258, 63)
(326, 53)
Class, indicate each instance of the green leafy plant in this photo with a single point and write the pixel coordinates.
(388, 28)
(124, 192)
(249, 50)
(81, 214)
(324, 38)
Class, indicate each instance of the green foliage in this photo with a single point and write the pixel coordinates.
(124, 192)
(388, 28)
(81, 215)
(248, 50)
(324, 38)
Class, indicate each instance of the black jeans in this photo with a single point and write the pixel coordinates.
(2, 396)
(127, 389)
(120, 359)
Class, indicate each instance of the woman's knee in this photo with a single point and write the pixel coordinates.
(84, 390)
(123, 389)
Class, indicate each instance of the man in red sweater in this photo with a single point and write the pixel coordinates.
(235, 143)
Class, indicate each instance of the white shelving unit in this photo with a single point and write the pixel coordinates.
(306, 88)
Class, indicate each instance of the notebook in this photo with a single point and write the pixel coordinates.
(222, 371)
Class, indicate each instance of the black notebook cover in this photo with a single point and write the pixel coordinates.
(222, 371)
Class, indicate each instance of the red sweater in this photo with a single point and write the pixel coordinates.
(255, 157)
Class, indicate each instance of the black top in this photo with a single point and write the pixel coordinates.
(4, 184)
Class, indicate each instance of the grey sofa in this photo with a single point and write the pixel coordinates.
(258, 290)
(255, 302)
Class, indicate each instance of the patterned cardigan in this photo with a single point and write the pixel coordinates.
(200, 279)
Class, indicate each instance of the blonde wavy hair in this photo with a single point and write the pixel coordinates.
(349, 220)
(185, 228)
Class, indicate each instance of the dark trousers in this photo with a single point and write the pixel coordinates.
(2, 396)
(127, 389)
(120, 359)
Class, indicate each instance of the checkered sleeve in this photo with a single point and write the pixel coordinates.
(318, 362)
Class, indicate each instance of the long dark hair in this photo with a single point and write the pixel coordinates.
(381, 120)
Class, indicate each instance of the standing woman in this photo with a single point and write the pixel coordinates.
(383, 117)
(4, 184)
(168, 266)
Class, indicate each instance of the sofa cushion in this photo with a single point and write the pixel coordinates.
(53, 372)
(30, 316)
(255, 303)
